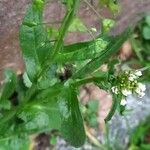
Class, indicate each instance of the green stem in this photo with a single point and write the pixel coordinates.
(62, 32)
(113, 109)
(30, 92)
(88, 80)
(107, 137)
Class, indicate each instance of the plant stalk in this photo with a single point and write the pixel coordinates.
(62, 32)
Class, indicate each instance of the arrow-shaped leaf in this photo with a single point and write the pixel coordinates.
(83, 50)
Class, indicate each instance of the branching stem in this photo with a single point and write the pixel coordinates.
(62, 32)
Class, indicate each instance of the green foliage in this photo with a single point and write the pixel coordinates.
(138, 135)
(52, 33)
(91, 113)
(113, 108)
(141, 45)
(44, 101)
(146, 32)
(114, 43)
(49, 78)
(72, 122)
(26, 80)
(77, 26)
(82, 51)
(34, 41)
(145, 146)
(107, 24)
(7, 89)
(53, 140)
(68, 3)
(147, 20)
(43, 116)
(111, 4)
(15, 143)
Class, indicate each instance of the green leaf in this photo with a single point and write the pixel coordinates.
(92, 111)
(147, 19)
(34, 41)
(15, 143)
(49, 78)
(137, 47)
(72, 123)
(111, 66)
(93, 106)
(107, 24)
(52, 32)
(26, 80)
(53, 140)
(92, 120)
(146, 32)
(113, 108)
(9, 84)
(140, 131)
(40, 116)
(77, 26)
(8, 88)
(38, 4)
(52, 91)
(62, 32)
(82, 51)
(68, 3)
(21, 88)
(111, 4)
(5, 104)
(145, 146)
(114, 44)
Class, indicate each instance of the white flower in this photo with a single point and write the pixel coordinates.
(141, 86)
(135, 75)
(138, 73)
(126, 92)
(123, 102)
(137, 90)
(114, 89)
(140, 90)
(132, 77)
(141, 94)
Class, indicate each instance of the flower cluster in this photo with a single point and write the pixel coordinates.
(126, 83)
